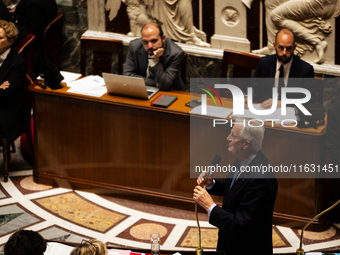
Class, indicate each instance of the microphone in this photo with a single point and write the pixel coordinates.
(301, 251)
(199, 250)
(214, 162)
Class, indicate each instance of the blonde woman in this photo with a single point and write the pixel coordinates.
(12, 84)
(92, 247)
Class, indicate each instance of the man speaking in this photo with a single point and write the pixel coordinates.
(245, 219)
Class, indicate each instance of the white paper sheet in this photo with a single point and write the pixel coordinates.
(92, 85)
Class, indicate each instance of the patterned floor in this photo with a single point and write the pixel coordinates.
(70, 215)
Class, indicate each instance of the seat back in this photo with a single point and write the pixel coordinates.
(103, 50)
(28, 132)
(244, 63)
(319, 83)
(184, 68)
(243, 66)
(26, 49)
(52, 40)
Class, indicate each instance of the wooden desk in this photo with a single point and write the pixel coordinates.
(116, 145)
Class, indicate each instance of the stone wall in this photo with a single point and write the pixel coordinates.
(76, 23)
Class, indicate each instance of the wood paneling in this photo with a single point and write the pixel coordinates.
(116, 145)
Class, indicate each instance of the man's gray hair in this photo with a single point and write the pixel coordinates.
(253, 131)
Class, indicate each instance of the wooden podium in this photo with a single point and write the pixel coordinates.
(123, 146)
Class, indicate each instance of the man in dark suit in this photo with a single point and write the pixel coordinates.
(296, 72)
(31, 17)
(12, 80)
(4, 13)
(245, 218)
(155, 58)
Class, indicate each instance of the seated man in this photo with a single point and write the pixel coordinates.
(284, 65)
(4, 13)
(31, 17)
(155, 58)
(246, 214)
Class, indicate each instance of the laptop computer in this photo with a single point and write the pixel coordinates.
(128, 86)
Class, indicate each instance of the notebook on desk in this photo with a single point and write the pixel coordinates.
(128, 86)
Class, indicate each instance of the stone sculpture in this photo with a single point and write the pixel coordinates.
(175, 16)
(306, 18)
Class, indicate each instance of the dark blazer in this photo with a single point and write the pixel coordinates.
(245, 219)
(12, 120)
(31, 16)
(300, 71)
(4, 13)
(165, 74)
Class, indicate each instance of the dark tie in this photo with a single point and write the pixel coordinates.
(281, 81)
(235, 176)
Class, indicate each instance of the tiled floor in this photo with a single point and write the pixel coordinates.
(71, 215)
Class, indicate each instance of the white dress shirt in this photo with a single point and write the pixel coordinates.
(4, 55)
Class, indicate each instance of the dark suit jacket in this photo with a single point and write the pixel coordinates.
(165, 74)
(12, 120)
(245, 219)
(4, 13)
(301, 72)
(31, 16)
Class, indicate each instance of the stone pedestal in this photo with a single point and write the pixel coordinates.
(230, 26)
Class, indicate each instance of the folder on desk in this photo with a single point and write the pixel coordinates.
(163, 101)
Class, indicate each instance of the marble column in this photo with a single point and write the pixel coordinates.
(230, 26)
(96, 15)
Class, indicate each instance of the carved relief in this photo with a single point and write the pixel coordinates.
(306, 18)
(230, 16)
(175, 16)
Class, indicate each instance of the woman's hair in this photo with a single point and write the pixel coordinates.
(92, 247)
(25, 242)
(10, 29)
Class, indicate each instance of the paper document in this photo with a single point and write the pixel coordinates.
(92, 85)
(69, 77)
(54, 248)
(215, 111)
(118, 252)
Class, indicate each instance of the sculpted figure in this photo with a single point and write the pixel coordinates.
(306, 18)
(175, 16)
